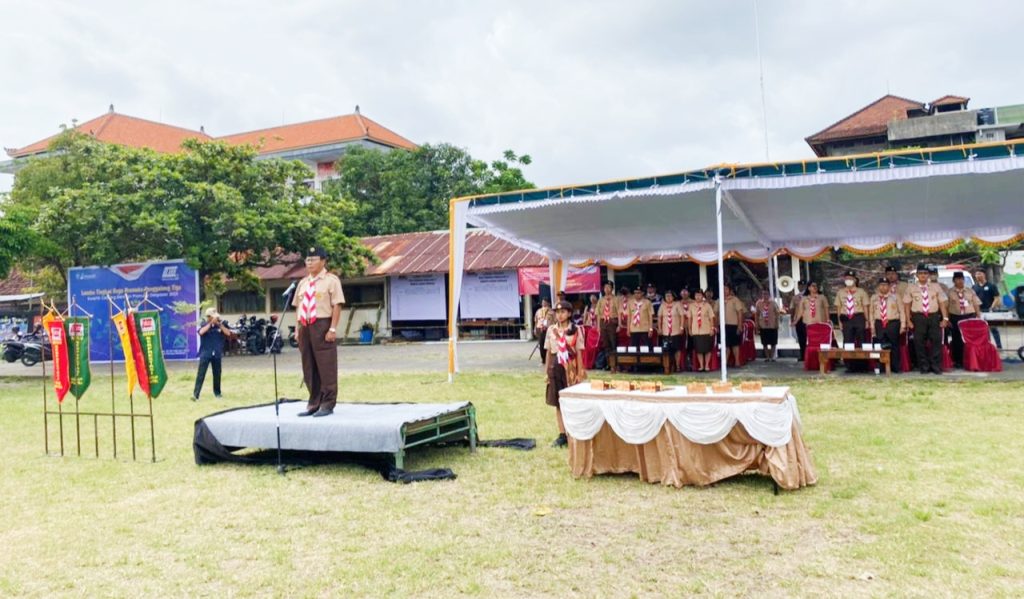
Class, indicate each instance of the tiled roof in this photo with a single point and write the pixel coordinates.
(123, 130)
(320, 132)
(950, 99)
(15, 284)
(873, 119)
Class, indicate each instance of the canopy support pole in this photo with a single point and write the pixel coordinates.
(703, 270)
(722, 349)
(457, 210)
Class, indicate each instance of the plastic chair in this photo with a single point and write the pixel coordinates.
(591, 344)
(904, 349)
(748, 350)
(980, 354)
(817, 334)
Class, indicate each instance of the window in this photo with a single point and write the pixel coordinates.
(363, 294)
(277, 299)
(241, 302)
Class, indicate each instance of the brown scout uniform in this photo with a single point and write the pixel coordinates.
(678, 319)
(814, 309)
(319, 357)
(926, 324)
(559, 376)
(963, 304)
(645, 310)
(766, 314)
(608, 308)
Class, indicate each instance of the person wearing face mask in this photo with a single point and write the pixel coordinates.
(963, 304)
(886, 321)
(851, 304)
(929, 315)
(654, 297)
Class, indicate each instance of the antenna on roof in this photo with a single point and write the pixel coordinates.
(111, 108)
(357, 109)
(202, 129)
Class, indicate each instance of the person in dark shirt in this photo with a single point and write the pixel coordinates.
(988, 293)
(212, 337)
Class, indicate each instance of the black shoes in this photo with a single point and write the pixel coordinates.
(195, 397)
(323, 412)
(560, 441)
(307, 413)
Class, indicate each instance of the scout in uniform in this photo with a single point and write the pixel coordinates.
(653, 297)
(963, 304)
(684, 304)
(608, 321)
(671, 324)
(641, 319)
(542, 319)
(814, 306)
(886, 321)
(700, 321)
(766, 321)
(590, 312)
(735, 314)
(852, 307)
(928, 316)
(564, 364)
(318, 300)
(795, 307)
(896, 286)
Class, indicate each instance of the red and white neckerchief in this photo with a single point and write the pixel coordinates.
(814, 306)
(925, 299)
(670, 311)
(764, 310)
(963, 302)
(562, 352)
(636, 313)
(607, 310)
(851, 302)
(700, 316)
(307, 309)
(883, 310)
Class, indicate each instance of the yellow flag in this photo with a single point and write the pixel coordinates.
(120, 321)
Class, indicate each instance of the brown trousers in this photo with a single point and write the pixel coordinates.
(609, 334)
(319, 364)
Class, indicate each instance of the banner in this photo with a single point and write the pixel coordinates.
(166, 282)
(490, 295)
(147, 324)
(137, 360)
(417, 297)
(579, 280)
(121, 326)
(77, 328)
(53, 324)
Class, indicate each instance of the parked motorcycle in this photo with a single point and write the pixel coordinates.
(273, 342)
(35, 351)
(292, 339)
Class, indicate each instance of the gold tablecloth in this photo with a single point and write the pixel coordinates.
(672, 459)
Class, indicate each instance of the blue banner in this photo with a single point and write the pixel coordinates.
(166, 282)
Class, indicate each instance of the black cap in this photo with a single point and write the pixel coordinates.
(650, 286)
(802, 282)
(933, 271)
(317, 252)
(851, 274)
(883, 280)
(563, 305)
(958, 274)
(922, 267)
(638, 288)
(891, 268)
(607, 282)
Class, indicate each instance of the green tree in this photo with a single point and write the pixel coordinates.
(215, 205)
(402, 191)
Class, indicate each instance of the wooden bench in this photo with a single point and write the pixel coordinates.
(620, 359)
(835, 353)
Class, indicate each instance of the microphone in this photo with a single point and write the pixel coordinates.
(290, 289)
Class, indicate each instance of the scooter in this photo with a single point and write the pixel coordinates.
(36, 351)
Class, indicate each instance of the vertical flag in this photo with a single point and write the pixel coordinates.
(121, 323)
(77, 329)
(54, 326)
(147, 326)
(137, 359)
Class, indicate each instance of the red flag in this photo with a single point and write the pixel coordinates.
(140, 361)
(54, 326)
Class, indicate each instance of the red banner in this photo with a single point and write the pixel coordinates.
(580, 280)
(137, 357)
(54, 326)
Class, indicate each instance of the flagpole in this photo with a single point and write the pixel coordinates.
(42, 361)
(277, 396)
(131, 394)
(110, 354)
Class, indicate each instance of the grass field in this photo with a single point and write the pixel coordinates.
(920, 493)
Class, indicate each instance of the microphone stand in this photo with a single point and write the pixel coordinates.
(288, 294)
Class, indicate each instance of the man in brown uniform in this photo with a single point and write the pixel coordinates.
(927, 304)
(852, 307)
(608, 321)
(766, 321)
(318, 300)
(886, 321)
(671, 324)
(795, 309)
(896, 286)
(735, 314)
(640, 319)
(963, 304)
(542, 319)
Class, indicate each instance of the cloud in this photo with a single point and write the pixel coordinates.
(591, 90)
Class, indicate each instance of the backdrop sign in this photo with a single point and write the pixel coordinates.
(490, 295)
(417, 297)
(166, 282)
(579, 280)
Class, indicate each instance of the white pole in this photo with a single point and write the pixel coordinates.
(772, 269)
(721, 280)
(703, 277)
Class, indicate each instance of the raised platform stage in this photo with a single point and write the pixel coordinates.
(356, 428)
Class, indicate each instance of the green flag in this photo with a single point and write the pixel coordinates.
(77, 329)
(147, 324)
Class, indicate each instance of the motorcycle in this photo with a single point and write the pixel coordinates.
(36, 351)
(273, 341)
(255, 336)
(293, 340)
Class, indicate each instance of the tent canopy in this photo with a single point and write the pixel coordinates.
(927, 198)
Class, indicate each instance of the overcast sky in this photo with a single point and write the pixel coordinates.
(591, 90)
